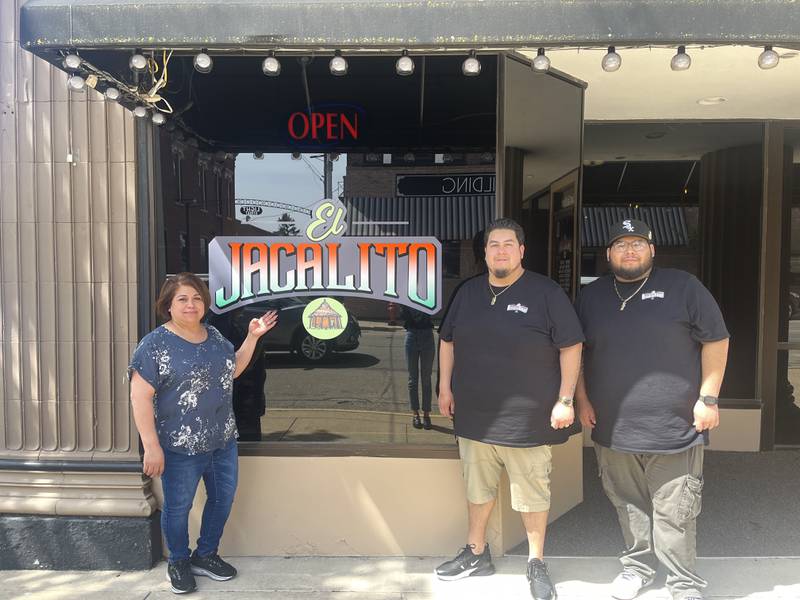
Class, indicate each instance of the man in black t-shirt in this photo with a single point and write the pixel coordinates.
(655, 354)
(510, 347)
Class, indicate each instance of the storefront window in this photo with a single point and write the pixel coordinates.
(353, 388)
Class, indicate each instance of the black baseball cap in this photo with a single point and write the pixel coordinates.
(629, 227)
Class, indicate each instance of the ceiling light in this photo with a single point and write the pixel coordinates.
(711, 100)
(158, 118)
(338, 64)
(768, 59)
(112, 94)
(138, 63)
(72, 62)
(203, 63)
(258, 156)
(611, 61)
(140, 111)
(681, 61)
(471, 67)
(76, 83)
(271, 66)
(541, 64)
(334, 156)
(404, 65)
(296, 156)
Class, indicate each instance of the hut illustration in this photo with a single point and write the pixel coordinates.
(324, 318)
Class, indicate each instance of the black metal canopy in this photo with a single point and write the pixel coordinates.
(47, 24)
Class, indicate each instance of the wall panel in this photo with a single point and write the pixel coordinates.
(67, 261)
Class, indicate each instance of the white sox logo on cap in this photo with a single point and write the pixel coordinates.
(626, 224)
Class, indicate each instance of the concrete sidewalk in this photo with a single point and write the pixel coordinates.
(314, 578)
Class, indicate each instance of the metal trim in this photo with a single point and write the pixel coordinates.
(13, 464)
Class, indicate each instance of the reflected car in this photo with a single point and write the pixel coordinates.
(290, 335)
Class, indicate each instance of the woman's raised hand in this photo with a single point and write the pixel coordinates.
(263, 324)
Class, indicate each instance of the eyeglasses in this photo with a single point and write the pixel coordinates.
(636, 245)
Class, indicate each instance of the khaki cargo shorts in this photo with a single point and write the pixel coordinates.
(528, 471)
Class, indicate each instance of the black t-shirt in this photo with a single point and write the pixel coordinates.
(507, 374)
(642, 365)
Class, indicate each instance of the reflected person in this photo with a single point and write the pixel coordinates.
(249, 397)
(420, 352)
(182, 376)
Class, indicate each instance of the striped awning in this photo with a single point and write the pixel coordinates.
(667, 222)
(447, 218)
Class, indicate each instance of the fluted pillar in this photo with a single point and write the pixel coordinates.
(68, 319)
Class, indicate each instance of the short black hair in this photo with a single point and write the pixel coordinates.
(505, 224)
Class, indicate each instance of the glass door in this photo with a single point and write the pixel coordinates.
(787, 384)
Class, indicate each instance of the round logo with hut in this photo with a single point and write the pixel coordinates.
(325, 318)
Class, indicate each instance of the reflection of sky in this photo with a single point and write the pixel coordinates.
(278, 177)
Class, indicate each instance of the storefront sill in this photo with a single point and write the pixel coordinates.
(328, 449)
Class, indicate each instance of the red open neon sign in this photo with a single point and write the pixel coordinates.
(327, 126)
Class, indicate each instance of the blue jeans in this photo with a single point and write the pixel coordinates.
(420, 351)
(220, 472)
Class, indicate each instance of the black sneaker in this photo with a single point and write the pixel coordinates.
(416, 422)
(466, 564)
(180, 576)
(541, 586)
(212, 566)
(426, 422)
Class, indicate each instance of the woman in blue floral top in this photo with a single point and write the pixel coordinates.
(181, 390)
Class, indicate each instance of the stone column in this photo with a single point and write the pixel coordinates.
(69, 455)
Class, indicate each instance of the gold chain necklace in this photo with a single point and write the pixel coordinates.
(625, 300)
(494, 296)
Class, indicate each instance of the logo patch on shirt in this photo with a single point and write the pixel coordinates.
(652, 295)
(518, 308)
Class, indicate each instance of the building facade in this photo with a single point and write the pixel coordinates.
(97, 206)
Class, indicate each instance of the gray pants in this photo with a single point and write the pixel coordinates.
(658, 498)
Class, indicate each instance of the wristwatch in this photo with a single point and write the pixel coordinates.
(709, 400)
(565, 400)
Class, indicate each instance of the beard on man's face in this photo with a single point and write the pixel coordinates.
(500, 273)
(633, 272)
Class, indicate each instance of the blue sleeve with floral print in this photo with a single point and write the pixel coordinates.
(147, 363)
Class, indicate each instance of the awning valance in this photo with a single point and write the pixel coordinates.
(404, 23)
(448, 218)
(667, 222)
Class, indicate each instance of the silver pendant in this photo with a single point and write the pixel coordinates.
(624, 302)
(493, 300)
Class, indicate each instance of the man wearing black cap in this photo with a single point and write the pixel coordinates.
(654, 358)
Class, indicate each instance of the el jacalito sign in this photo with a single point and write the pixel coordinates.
(244, 270)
